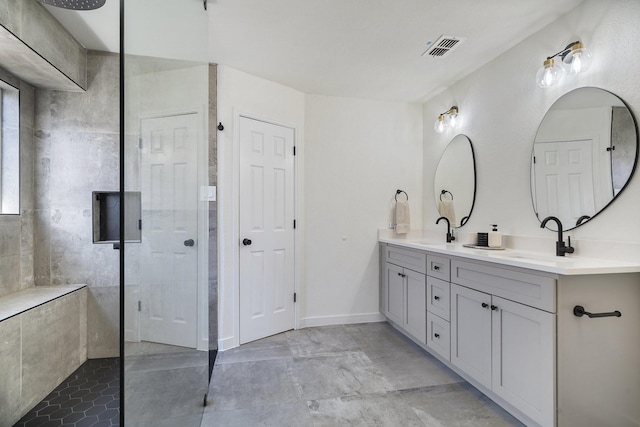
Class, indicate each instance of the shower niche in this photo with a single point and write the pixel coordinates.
(106, 217)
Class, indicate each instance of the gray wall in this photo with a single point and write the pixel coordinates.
(16, 231)
(76, 153)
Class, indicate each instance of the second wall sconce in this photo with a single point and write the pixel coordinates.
(446, 119)
(574, 59)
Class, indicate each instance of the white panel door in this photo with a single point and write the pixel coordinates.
(266, 229)
(471, 333)
(523, 359)
(169, 262)
(564, 180)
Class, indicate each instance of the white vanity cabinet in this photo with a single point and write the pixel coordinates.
(403, 290)
(503, 344)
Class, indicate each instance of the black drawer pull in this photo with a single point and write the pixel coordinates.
(579, 311)
(436, 335)
(436, 267)
(436, 297)
(402, 275)
(494, 307)
(485, 305)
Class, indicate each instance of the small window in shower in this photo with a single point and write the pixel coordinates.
(9, 150)
(106, 217)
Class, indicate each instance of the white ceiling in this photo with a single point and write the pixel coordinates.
(352, 48)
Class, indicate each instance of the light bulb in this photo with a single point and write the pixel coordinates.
(453, 117)
(550, 74)
(439, 125)
(578, 59)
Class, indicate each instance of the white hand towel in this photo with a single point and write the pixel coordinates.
(403, 222)
(447, 210)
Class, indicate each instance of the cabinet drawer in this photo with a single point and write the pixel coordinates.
(439, 335)
(438, 297)
(515, 284)
(438, 267)
(413, 260)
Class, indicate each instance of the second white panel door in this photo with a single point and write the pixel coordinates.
(266, 229)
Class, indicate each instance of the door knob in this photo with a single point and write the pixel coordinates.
(246, 242)
(189, 242)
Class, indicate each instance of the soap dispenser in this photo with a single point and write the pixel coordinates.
(495, 237)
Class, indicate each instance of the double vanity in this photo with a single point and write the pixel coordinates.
(504, 320)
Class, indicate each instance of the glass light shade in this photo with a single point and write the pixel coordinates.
(550, 74)
(453, 117)
(439, 126)
(577, 60)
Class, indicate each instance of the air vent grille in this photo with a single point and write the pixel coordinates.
(443, 46)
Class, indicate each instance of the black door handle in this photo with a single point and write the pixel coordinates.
(485, 305)
(189, 242)
(246, 242)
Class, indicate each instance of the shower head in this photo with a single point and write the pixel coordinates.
(75, 4)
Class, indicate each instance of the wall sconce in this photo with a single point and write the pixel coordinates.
(575, 57)
(446, 119)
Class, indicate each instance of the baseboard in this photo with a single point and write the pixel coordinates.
(309, 322)
(227, 343)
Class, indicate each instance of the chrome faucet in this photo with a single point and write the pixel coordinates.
(450, 236)
(561, 248)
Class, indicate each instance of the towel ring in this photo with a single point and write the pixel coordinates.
(400, 191)
(444, 192)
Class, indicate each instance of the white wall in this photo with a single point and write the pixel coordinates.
(501, 107)
(358, 153)
(239, 92)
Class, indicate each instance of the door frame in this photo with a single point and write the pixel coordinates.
(235, 201)
(202, 164)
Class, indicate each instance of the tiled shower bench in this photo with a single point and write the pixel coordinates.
(43, 339)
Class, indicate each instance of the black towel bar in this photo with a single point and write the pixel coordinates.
(579, 311)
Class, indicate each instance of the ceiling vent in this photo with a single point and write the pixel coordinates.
(443, 46)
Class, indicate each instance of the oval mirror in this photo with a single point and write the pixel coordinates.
(454, 184)
(584, 154)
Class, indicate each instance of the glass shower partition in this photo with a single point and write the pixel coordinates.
(164, 152)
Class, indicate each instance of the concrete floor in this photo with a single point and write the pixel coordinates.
(348, 375)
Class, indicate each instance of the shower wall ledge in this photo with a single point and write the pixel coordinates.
(35, 47)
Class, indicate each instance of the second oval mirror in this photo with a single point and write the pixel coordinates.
(584, 153)
(454, 183)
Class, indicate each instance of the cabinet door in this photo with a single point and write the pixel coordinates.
(523, 358)
(395, 294)
(416, 314)
(471, 333)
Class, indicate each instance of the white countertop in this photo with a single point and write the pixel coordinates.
(547, 262)
(19, 302)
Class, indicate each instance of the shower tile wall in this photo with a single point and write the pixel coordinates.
(16, 231)
(76, 153)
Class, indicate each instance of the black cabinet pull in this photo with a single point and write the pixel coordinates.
(579, 311)
(436, 335)
(402, 275)
(436, 297)
(485, 305)
(494, 307)
(246, 242)
(189, 242)
(436, 267)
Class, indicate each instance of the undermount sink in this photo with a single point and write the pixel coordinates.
(528, 256)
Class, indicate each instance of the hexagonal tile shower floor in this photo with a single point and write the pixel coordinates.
(88, 397)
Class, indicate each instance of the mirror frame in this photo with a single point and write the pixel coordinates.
(475, 180)
(551, 224)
